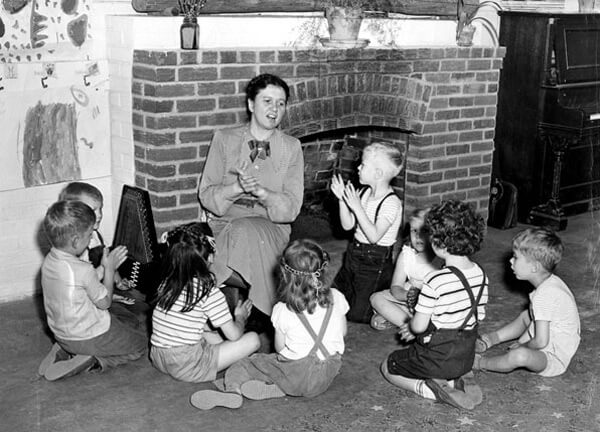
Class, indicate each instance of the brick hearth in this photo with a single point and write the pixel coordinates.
(441, 100)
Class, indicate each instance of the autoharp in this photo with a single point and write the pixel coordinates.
(135, 229)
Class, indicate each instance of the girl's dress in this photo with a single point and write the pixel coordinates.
(178, 347)
(294, 370)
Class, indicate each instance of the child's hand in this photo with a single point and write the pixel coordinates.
(337, 186)
(514, 345)
(113, 259)
(242, 311)
(122, 284)
(351, 197)
(405, 333)
(412, 297)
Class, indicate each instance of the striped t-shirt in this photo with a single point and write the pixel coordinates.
(444, 298)
(391, 209)
(174, 328)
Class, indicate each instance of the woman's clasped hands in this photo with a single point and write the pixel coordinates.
(247, 182)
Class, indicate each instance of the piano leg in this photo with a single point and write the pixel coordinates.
(551, 213)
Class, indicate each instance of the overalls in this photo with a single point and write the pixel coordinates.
(367, 268)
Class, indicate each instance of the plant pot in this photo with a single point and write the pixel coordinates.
(189, 33)
(465, 37)
(343, 23)
(586, 6)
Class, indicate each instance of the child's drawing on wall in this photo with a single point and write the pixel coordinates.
(50, 152)
(34, 30)
(55, 127)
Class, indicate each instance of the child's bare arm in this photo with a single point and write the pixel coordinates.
(399, 279)
(541, 339)
(111, 262)
(234, 329)
(417, 325)
(515, 328)
(279, 342)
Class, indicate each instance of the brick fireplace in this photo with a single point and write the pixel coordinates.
(439, 103)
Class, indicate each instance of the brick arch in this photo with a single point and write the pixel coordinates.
(357, 99)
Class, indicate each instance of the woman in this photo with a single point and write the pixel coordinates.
(252, 189)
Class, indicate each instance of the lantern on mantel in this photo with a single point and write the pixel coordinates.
(190, 30)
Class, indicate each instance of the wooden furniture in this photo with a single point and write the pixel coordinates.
(547, 139)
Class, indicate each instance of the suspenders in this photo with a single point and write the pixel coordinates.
(362, 192)
(474, 302)
(318, 339)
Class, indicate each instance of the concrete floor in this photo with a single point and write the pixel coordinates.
(137, 397)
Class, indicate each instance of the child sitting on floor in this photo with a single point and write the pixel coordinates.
(181, 344)
(77, 303)
(91, 195)
(451, 303)
(310, 325)
(393, 307)
(375, 215)
(548, 331)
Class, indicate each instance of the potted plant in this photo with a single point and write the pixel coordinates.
(465, 28)
(344, 18)
(190, 31)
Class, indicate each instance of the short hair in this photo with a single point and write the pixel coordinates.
(391, 153)
(260, 82)
(455, 226)
(541, 244)
(64, 219)
(75, 190)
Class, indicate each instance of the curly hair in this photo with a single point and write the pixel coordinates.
(455, 226)
(301, 276)
(540, 244)
(185, 266)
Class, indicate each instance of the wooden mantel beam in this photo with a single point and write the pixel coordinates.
(440, 8)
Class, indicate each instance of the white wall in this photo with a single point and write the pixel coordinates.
(22, 248)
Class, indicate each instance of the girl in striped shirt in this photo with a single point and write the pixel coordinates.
(181, 343)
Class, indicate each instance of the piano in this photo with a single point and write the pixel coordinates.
(547, 136)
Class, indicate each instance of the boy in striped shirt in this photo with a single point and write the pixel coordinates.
(374, 214)
(449, 307)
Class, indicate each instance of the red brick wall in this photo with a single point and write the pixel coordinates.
(444, 98)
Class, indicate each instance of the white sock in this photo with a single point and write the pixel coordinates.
(423, 390)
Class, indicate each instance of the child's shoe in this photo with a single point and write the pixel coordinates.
(56, 354)
(259, 390)
(468, 384)
(444, 393)
(378, 322)
(208, 399)
(72, 366)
